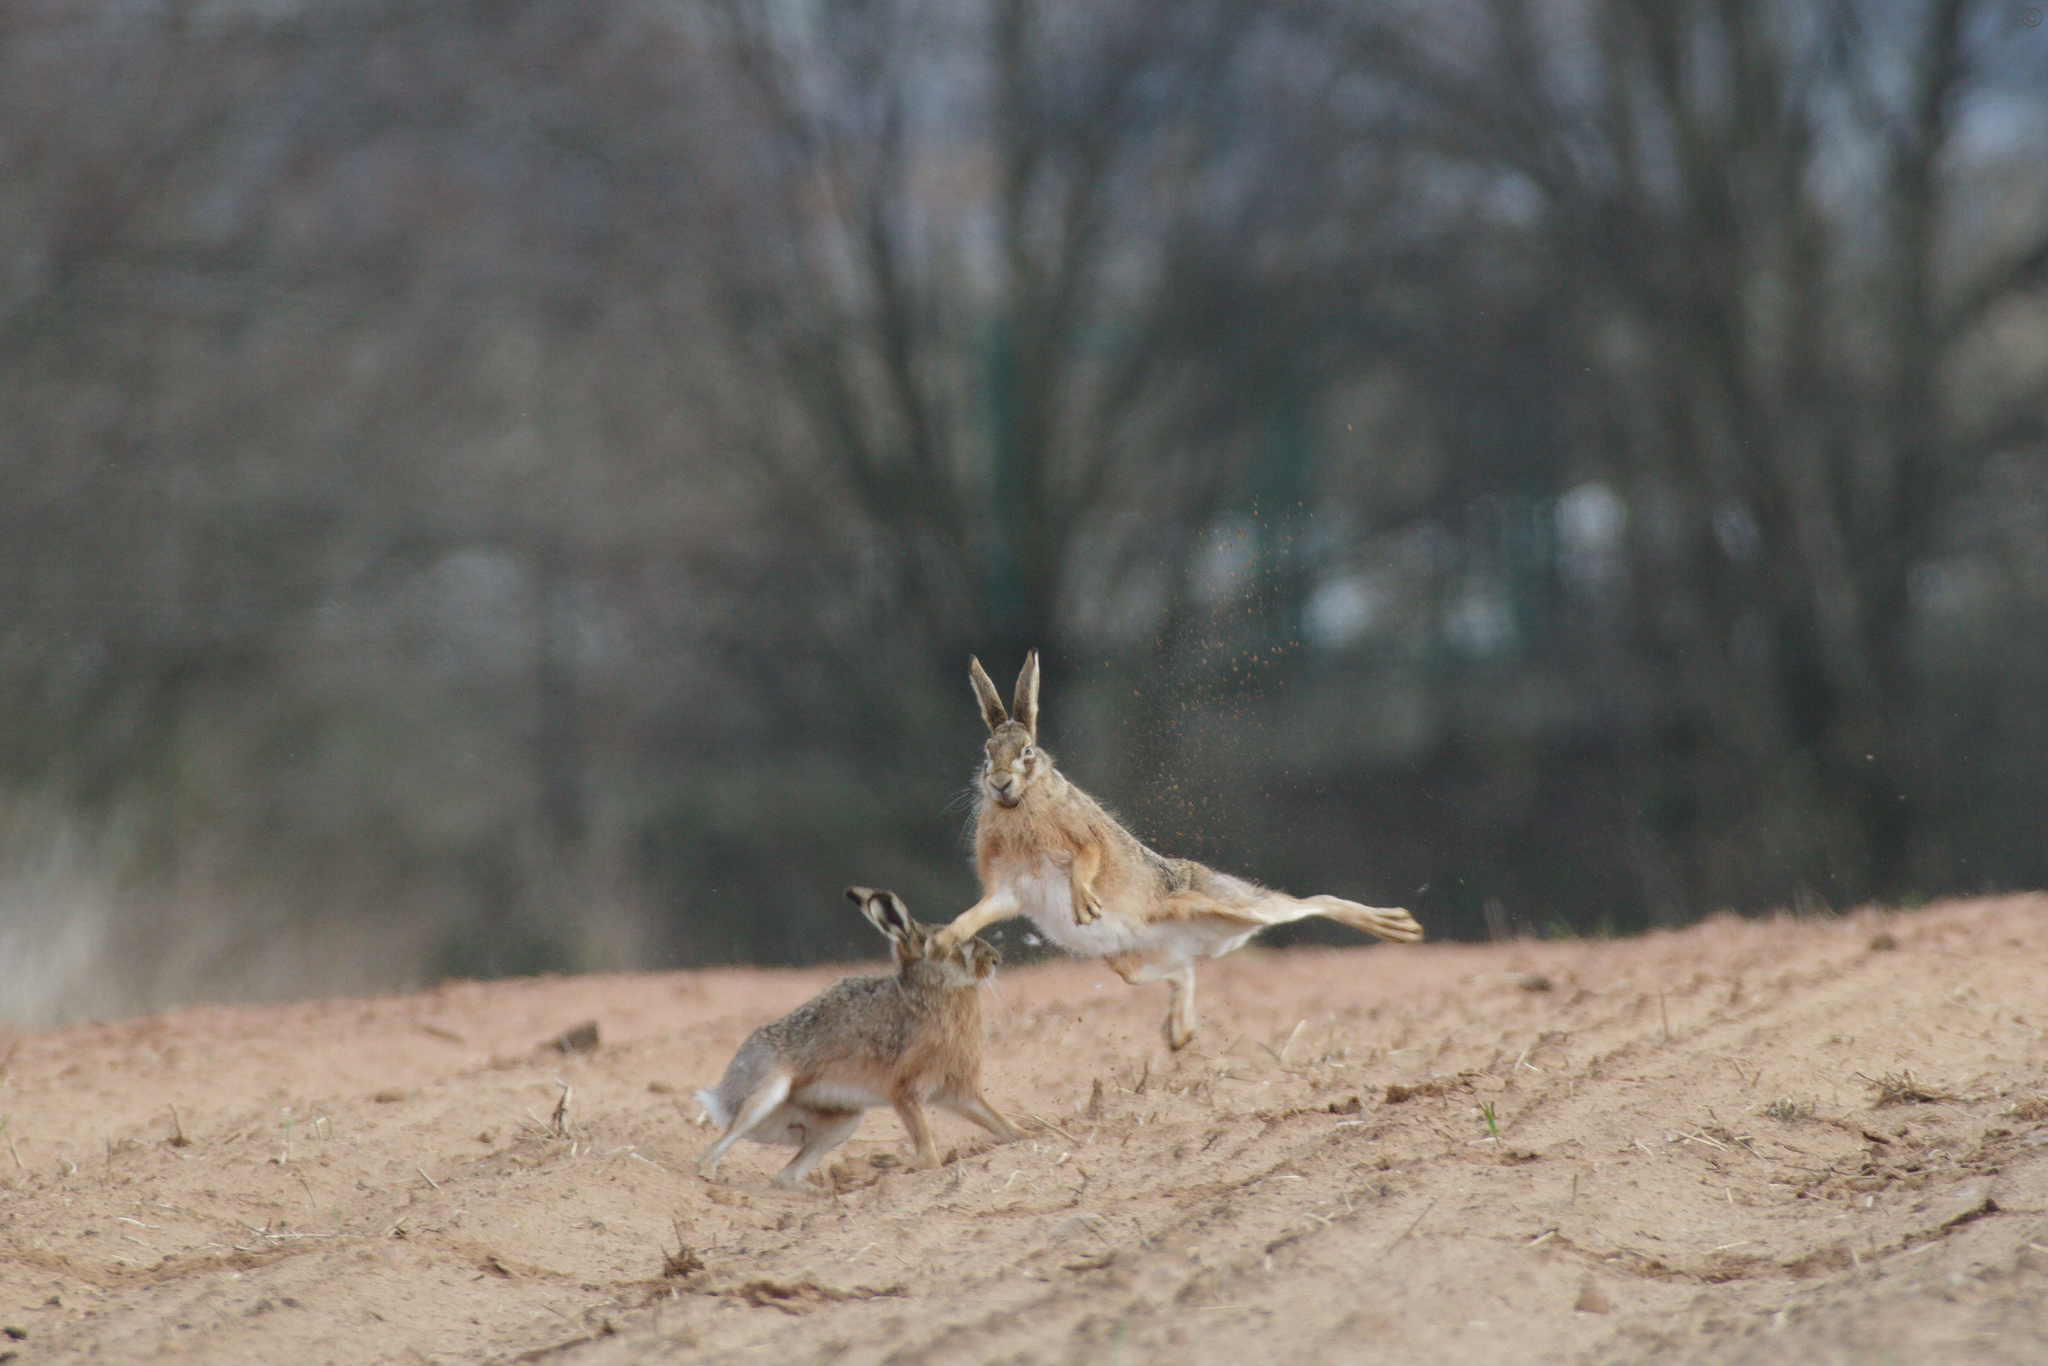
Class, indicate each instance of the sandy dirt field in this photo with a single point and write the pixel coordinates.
(1749, 1141)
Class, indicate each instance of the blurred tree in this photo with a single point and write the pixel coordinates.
(1748, 233)
(1025, 270)
(496, 484)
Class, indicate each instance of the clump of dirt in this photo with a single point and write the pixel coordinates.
(1716, 1145)
(1432, 1086)
(1899, 1088)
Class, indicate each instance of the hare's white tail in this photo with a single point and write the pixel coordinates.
(710, 1101)
(1388, 922)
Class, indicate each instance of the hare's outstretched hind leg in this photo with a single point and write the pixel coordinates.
(826, 1130)
(1388, 922)
(1180, 1007)
(755, 1108)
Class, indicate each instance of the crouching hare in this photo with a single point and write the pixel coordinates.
(806, 1080)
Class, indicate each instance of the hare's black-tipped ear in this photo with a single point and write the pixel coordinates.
(981, 958)
(986, 694)
(870, 902)
(1024, 710)
(887, 913)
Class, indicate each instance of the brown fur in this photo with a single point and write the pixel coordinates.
(806, 1079)
(1146, 915)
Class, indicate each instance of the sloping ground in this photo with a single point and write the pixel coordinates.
(1772, 1141)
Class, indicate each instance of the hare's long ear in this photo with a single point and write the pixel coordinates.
(986, 694)
(887, 913)
(981, 958)
(1024, 710)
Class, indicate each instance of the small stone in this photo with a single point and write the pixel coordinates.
(577, 1039)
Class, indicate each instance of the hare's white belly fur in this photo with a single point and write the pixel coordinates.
(1045, 894)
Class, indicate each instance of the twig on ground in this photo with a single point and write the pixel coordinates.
(1411, 1228)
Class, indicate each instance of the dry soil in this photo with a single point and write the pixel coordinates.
(1798, 1141)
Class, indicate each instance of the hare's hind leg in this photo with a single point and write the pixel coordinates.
(1179, 1027)
(1388, 922)
(972, 1105)
(824, 1130)
(759, 1104)
(1180, 1007)
(912, 1115)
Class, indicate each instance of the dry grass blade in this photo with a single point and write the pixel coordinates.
(681, 1262)
(1411, 1228)
(1042, 1121)
(1899, 1088)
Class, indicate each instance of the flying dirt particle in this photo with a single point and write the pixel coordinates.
(1592, 1301)
(1350, 1105)
(388, 1097)
(1882, 942)
(1535, 981)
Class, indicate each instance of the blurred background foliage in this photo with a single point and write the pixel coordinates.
(494, 486)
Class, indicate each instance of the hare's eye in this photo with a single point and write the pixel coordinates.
(1029, 751)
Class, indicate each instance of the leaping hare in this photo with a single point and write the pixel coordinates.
(806, 1080)
(1046, 849)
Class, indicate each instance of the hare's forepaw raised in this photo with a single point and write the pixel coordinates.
(1087, 910)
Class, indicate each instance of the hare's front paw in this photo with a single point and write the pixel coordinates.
(1087, 910)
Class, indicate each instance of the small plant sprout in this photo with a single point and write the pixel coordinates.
(1486, 1113)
